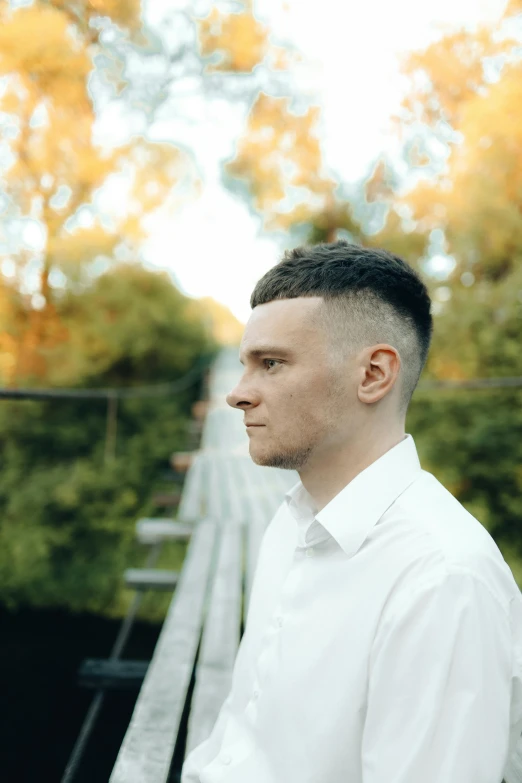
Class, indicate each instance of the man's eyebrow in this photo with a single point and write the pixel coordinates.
(262, 350)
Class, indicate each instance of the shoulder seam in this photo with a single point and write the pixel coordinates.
(458, 570)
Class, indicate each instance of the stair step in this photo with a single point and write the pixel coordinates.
(106, 673)
(167, 499)
(150, 579)
(153, 531)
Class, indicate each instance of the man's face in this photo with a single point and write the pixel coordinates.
(302, 399)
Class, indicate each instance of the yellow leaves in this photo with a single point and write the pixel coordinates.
(280, 158)
(35, 334)
(472, 79)
(156, 169)
(8, 344)
(417, 157)
(447, 369)
(448, 73)
(409, 245)
(89, 166)
(47, 46)
(125, 13)
(377, 187)
(45, 52)
(162, 176)
(68, 250)
(280, 58)
(492, 127)
(239, 42)
(238, 39)
(513, 8)
(479, 199)
(35, 43)
(48, 63)
(10, 101)
(226, 329)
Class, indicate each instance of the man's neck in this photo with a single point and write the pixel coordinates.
(325, 478)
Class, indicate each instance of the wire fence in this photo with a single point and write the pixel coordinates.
(112, 395)
(472, 383)
(164, 389)
(114, 392)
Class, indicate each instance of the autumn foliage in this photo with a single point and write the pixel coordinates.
(57, 167)
(77, 309)
(238, 41)
(461, 125)
(465, 105)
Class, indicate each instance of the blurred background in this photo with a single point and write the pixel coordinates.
(156, 158)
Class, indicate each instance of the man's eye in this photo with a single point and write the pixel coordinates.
(267, 363)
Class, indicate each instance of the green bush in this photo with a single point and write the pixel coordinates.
(67, 512)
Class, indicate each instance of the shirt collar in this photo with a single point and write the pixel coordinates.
(302, 508)
(352, 513)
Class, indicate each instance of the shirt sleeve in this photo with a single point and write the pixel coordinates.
(204, 753)
(438, 704)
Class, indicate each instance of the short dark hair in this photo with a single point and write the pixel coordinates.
(370, 295)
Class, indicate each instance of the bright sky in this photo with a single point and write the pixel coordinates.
(214, 247)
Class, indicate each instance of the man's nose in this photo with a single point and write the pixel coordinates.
(240, 397)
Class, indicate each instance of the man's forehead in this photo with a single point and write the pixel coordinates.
(284, 313)
(283, 324)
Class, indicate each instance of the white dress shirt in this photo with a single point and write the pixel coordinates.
(383, 644)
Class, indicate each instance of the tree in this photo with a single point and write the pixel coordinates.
(471, 439)
(55, 168)
(463, 122)
(67, 514)
(76, 307)
(279, 158)
(464, 112)
(88, 201)
(224, 326)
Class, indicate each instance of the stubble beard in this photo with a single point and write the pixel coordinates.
(290, 459)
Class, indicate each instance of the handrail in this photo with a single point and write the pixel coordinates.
(154, 390)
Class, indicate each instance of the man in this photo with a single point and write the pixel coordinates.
(384, 636)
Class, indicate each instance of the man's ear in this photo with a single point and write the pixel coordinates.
(381, 366)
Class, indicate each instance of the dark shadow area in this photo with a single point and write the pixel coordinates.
(178, 757)
(43, 711)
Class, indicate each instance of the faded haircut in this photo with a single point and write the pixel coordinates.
(370, 296)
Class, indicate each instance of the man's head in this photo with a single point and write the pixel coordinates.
(334, 348)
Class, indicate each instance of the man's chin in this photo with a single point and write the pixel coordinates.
(259, 458)
(277, 460)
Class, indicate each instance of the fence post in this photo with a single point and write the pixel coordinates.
(111, 428)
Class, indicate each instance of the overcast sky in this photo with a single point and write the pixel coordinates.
(213, 247)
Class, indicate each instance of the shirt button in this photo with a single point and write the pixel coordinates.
(310, 552)
(279, 621)
(255, 695)
(226, 758)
